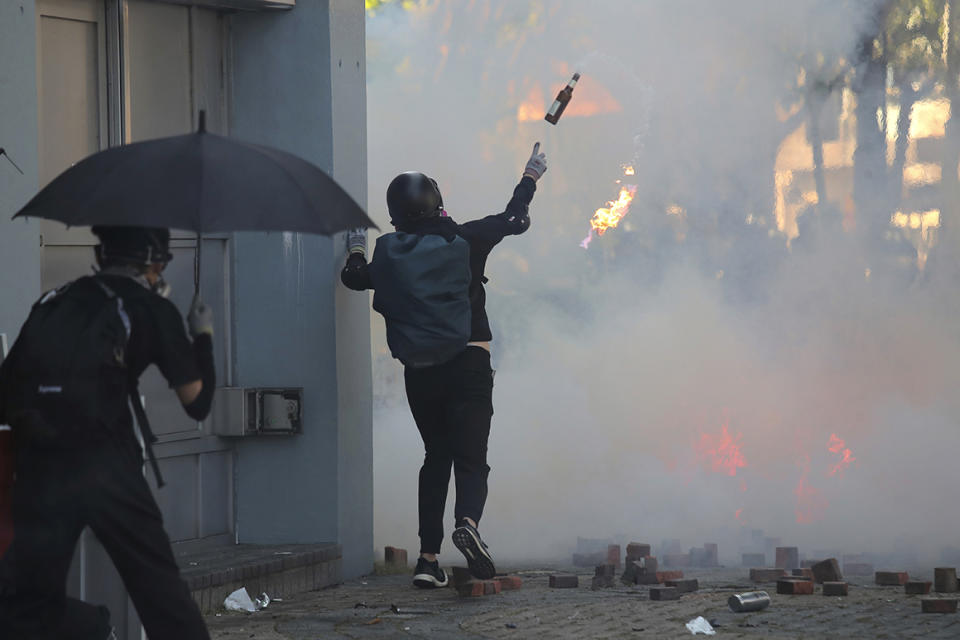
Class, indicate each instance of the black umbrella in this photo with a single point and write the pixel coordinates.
(198, 182)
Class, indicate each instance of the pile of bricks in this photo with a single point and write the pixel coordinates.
(468, 586)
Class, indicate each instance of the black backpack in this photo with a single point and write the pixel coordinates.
(421, 286)
(65, 382)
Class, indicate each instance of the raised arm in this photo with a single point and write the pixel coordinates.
(356, 273)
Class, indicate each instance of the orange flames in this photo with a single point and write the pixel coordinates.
(836, 445)
(610, 216)
(722, 452)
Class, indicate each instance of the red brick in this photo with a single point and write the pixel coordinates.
(827, 571)
(637, 550)
(676, 560)
(475, 588)
(605, 570)
(803, 573)
(663, 576)
(395, 557)
(795, 587)
(938, 605)
(891, 578)
(917, 587)
(766, 575)
(787, 558)
(945, 579)
(564, 581)
(613, 554)
(664, 593)
(509, 583)
(687, 585)
(835, 588)
(858, 568)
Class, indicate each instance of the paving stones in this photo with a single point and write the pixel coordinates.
(787, 558)
(686, 585)
(938, 605)
(663, 576)
(795, 587)
(664, 593)
(835, 589)
(461, 575)
(945, 580)
(917, 587)
(642, 571)
(753, 560)
(564, 581)
(827, 571)
(394, 557)
(891, 578)
(637, 550)
(766, 574)
(509, 583)
(476, 588)
(803, 573)
(613, 554)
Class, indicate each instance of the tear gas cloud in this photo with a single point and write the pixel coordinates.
(737, 354)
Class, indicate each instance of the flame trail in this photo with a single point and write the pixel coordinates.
(836, 445)
(723, 451)
(610, 216)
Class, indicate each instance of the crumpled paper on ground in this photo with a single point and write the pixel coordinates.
(700, 625)
(240, 600)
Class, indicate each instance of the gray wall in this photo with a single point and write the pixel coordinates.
(298, 83)
(19, 241)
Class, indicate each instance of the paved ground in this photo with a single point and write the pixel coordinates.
(362, 609)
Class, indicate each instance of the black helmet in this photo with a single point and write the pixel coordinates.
(134, 245)
(413, 196)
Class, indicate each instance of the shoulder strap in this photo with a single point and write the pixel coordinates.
(148, 438)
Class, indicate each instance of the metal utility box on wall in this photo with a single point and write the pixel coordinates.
(257, 411)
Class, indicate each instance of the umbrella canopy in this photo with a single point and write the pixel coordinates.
(198, 182)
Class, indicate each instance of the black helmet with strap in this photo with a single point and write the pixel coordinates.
(133, 245)
(413, 196)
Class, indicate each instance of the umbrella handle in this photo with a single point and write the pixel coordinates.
(196, 265)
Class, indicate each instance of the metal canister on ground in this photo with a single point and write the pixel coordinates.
(750, 601)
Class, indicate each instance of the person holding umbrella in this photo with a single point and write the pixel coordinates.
(428, 282)
(77, 462)
(64, 391)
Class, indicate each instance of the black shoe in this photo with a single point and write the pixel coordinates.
(467, 539)
(429, 575)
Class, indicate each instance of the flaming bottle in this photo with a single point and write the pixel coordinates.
(556, 109)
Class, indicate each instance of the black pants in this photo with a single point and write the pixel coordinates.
(56, 494)
(452, 405)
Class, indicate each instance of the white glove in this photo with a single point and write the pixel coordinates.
(357, 241)
(200, 318)
(536, 165)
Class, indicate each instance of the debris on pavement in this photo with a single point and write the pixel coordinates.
(700, 625)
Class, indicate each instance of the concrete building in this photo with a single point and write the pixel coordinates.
(77, 76)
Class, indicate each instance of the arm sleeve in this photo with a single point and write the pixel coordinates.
(172, 350)
(203, 353)
(356, 273)
(514, 220)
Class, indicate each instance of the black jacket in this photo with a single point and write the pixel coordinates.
(482, 235)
